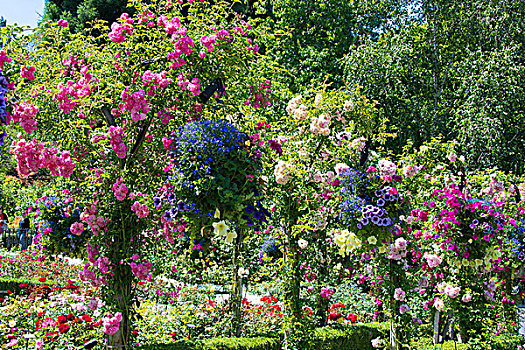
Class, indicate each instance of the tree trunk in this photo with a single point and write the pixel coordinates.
(236, 293)
(292, 304)
(321, 278)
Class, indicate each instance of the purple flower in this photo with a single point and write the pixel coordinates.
(172, 197)
(276, 146)
(157, 202)
(167, 215)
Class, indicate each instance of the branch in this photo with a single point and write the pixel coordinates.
(138, 142)
(107, 114)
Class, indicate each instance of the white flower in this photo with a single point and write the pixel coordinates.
(217, 213)
(386, 167)
(372, 240)
(243, 272)
(318, 99)
(376, 343)
(346, 241)
(348, 106)
(341, 168)
(302, 243)
(220, 227)
(230, 236)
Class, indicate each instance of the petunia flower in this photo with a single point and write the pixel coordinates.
(230, 236)
(220, 227)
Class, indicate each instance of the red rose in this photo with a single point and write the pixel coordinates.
(87, 318)
(63, 328)
(42, 279)
(9, 292)
(334, 316)
(62, 319)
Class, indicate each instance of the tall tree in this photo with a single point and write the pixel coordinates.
(453, 68)
(312, 36)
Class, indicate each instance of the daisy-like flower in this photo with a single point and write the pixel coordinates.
(220, 227)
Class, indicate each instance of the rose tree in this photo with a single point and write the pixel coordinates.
(98, 112)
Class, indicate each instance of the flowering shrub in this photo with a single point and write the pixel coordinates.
(98, 118)
(464, 255)
(66, 315)
(215, 167)
(26, 266)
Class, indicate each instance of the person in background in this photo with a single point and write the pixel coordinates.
(23, 229)
(3, 225)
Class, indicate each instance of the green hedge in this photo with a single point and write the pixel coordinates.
(503, 342)
(356, 337)
(259, 343)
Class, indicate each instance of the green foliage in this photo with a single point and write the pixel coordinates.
(452, 68)
(312, 36)
(79, 13)
(357, 337)
(259, 343)
(17, 195)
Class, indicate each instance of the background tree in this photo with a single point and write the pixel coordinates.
(453, 68)
(79, 13)
(312, 36)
